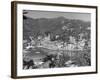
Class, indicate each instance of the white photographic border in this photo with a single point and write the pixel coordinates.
(33, 72)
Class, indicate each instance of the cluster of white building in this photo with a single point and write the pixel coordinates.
(59, 45)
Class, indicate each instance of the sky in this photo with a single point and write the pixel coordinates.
(54, 14)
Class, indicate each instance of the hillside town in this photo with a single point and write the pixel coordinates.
(58, 49)
(56, 43)
(45, 42)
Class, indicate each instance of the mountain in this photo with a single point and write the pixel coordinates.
(60, 26)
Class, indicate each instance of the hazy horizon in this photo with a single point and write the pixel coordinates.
(55, 14)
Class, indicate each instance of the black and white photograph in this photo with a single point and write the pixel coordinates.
(53, 39)
(56, 39)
